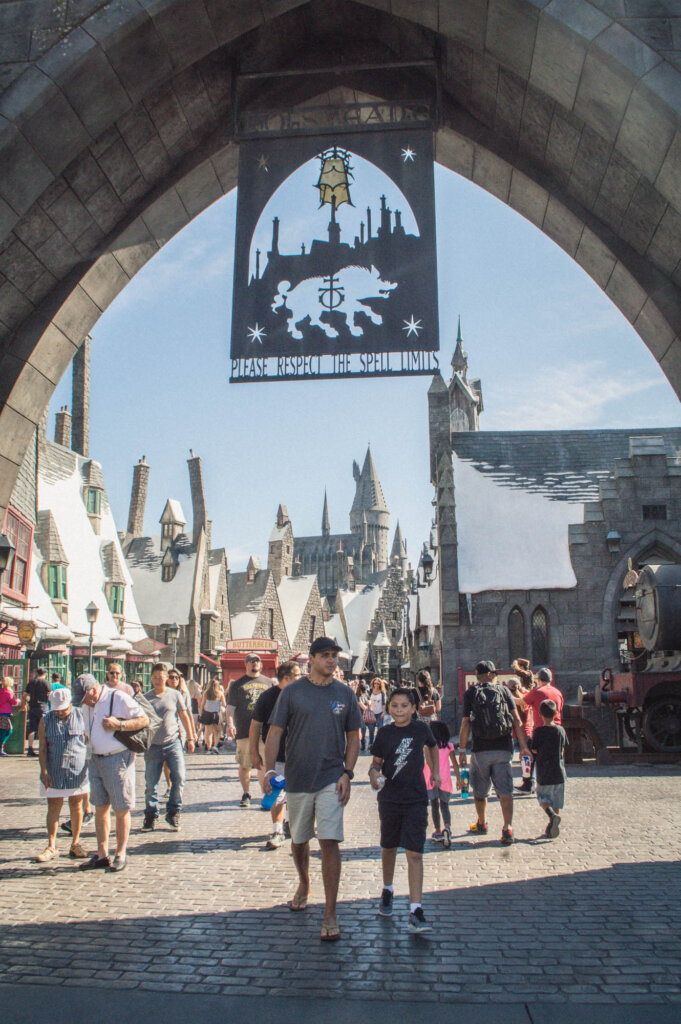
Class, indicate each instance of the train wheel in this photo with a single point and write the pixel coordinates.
(662, 724)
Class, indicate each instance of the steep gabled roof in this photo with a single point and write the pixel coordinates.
(369, 494)
(245, 600)
(48, 539)
(294, 593)
(172, 513)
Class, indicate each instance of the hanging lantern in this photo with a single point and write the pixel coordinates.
(334, 178)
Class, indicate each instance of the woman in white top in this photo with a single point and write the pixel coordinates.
(212, 703)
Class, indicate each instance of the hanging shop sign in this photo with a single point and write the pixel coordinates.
(335, 270)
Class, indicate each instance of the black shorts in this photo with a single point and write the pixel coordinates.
(209, 718)
(403, 825)
(34, 717)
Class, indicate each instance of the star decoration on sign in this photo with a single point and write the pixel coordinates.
(262, 163)
(256, 333)
(412, 326)
(408, 154)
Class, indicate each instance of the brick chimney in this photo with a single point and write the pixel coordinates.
(80, 402)
(199, 518)
(138, 498)
(62, 428)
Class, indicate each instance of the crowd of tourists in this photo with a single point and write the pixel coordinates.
(302, 735)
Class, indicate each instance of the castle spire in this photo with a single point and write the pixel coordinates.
(326, 522)
(460, 358)
(369, 493)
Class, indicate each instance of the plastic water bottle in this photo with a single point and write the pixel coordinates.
(465, 785)
(527, 766)
(277, 783)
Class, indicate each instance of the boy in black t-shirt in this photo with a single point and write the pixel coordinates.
(548, 746)
(397, 772)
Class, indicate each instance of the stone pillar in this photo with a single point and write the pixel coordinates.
(80, 403)
(62, 429)
(438, 423)
(138, 498)
(199, 518)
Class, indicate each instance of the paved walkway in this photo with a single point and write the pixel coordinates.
(591, 918)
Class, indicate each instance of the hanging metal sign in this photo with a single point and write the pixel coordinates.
(335, 264)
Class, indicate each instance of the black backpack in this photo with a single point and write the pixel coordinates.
(490, 714)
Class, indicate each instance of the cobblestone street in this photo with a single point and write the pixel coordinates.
(592, 917)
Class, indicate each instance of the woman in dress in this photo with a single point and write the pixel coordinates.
(63, 770)
(212, 703)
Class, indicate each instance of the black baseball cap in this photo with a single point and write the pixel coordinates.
(323, 643)
(483, 667)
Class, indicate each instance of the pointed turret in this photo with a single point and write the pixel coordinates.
(326, 522)
(460, 358)
(369, 515)
(398, 554)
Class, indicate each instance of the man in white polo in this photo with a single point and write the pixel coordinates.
(322, 719)
(112, 768)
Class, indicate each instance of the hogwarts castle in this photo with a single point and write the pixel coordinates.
(340, 559)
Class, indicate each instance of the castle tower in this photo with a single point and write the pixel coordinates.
(399, 552)
(326, 522)
(280, 550)
(465, 396)
(369, 515)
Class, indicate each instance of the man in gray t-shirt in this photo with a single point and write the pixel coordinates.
(166, 747)
(322, 719)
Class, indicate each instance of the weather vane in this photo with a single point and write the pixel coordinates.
(334, 177)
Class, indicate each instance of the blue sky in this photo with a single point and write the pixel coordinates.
(550, 348)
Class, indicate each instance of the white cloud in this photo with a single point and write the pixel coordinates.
(570, 397)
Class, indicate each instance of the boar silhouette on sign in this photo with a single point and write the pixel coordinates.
(345, 293)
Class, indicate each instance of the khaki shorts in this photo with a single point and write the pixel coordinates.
(243, 752)
(322, 807)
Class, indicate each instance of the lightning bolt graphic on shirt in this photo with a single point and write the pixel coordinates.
(402, 755)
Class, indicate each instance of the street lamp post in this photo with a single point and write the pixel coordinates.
(173, 634)
(92, 611)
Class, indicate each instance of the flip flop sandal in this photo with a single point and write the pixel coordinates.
(297, 905)
(330, 933)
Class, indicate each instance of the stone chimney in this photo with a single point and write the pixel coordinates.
(62, 428)
(138, 498)
(198, 496)
(80, 402)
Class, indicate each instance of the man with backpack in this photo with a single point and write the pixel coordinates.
(489, 711)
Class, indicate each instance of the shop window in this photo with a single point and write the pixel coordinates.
(540, 636)
(516, 635)
(20, 532)
(116, 598)
(207, 633)
(56, 582)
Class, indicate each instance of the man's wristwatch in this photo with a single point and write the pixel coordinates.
(121, 725)
(350, 774)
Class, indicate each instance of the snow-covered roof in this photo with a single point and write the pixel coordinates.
(173, 513)
(213, 584)
(508, 538)
(161, 602)
(334, 629)
(360, 662)
(60, 487)
(294, 593)
(359, 607)
(243, 625)
(279, 532)
(429, 599)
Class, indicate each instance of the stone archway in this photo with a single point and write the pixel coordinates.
(118, 132)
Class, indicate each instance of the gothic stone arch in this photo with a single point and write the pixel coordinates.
(115, 129)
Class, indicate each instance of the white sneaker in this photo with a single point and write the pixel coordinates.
(275, 841)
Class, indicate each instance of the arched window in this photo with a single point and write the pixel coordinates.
(516, 635)
(540, 636)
